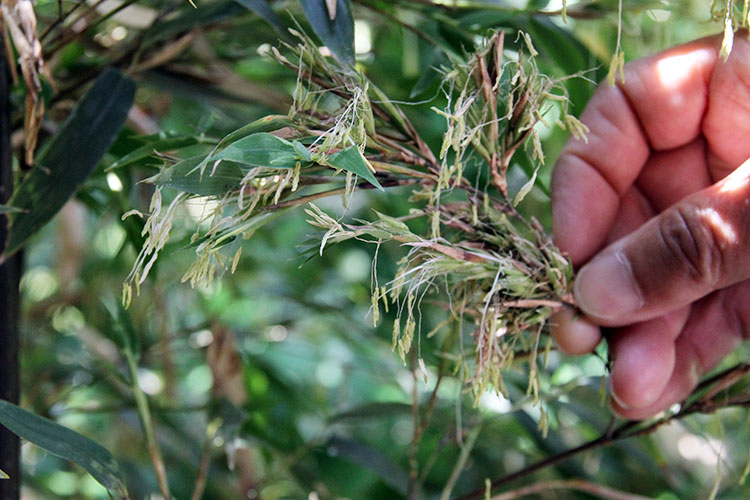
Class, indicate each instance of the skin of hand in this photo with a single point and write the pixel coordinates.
(654, 210)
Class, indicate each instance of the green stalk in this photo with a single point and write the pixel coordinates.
(461, 462)
(144, 413)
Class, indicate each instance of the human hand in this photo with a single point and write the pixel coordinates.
(656, 208)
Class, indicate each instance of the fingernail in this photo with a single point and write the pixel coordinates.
(619, 401)
(606, 289)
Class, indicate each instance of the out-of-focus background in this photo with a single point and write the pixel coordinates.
(311, 401)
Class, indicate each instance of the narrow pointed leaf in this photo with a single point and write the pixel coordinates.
(187, 177)
(352, 161)
(64, 443)
(265, 124)
(338, 33)
(120, 328)
(245, 230)
(143, 152)
(260, 150)
(331, 6)
(5, 209)
(3, 475)
(265, 12)
(371, 410)
(371, 459)
(70, 156)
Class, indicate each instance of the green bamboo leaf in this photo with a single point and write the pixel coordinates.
(190, 18)
(371, 410)
(4, 475)
(64, 443)
(120, 328)
(430, 75)
(70, 156)
(5, 209)
(561, 47)
(186, 176)
(260, 150)
(143, 152)
(338, 33)
(352, 161)
(372, 459)
(265, 12)
(246, 230)
(265, 124)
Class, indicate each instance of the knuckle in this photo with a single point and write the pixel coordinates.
(691, 246)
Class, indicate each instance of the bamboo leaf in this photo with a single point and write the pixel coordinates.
(371, 410)
(352, 161)
(190, 19)
(4, 475)
(265, 12)
(186, 176)
(120, 327)
(70, 156)
(371, 459)
(64, 443)
(260, 150)
(569, 54)
(143, 152)
(265, 124)
(336, 32)
(5, 209)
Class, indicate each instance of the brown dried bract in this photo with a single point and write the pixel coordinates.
(19, 19)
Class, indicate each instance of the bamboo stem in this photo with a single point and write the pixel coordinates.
(144, 413)
(10, 274)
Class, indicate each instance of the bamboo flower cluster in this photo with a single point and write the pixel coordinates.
(491, 267)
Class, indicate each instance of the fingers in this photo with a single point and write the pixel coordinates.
(660, 106)
(695, 247)
(715, 326)
(574, 334)
(670, 176)
(725, 125)
(644, 359)
(590, 177)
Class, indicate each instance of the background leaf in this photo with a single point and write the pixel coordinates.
(336, 34)
(186, 176)
(147, 150)
(372, 459)
(70, 156)
(372, 411)
(64, 443)
(265, 11)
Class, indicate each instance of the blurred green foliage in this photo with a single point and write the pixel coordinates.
(328, 407)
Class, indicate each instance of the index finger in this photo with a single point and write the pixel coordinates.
(658, 107)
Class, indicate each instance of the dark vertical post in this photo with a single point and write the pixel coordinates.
(10, 274)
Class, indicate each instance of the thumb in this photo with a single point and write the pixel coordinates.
(696, 246)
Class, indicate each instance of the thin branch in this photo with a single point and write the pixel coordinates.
(572, 484)
(414, 446)
(634, 428)
(205, 462)
(148, 427)
(461, 462)
(332, 192)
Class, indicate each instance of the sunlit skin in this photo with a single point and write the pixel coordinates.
(654, 212)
